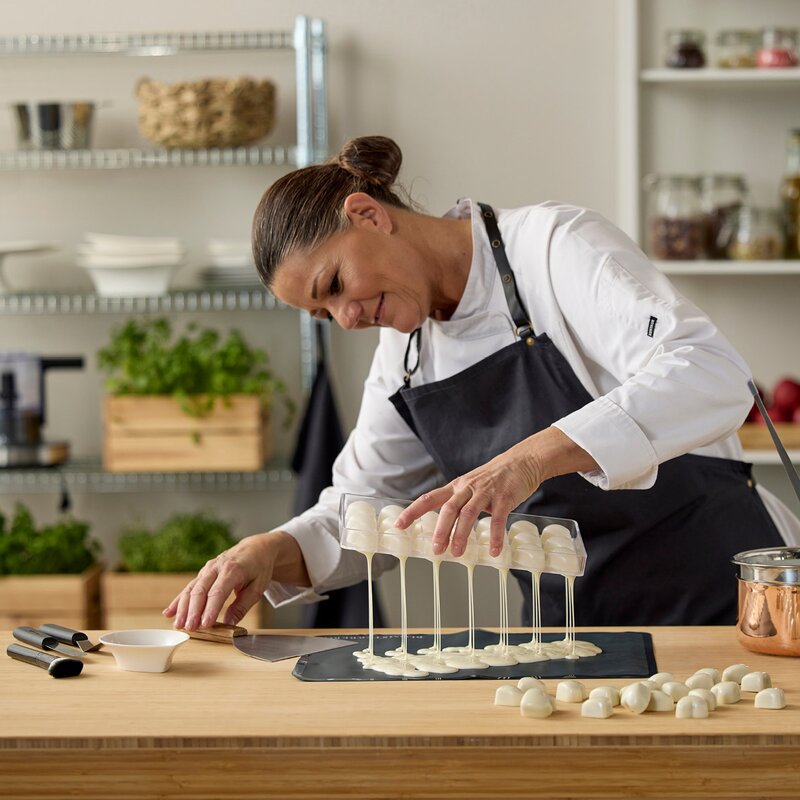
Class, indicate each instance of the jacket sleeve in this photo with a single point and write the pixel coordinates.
(672, 381)
(381, 457)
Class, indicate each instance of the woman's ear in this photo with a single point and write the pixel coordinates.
(365, 211)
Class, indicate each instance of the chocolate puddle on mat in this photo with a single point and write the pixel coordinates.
(627, 654)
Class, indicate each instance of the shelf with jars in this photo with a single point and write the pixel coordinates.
(700, 184)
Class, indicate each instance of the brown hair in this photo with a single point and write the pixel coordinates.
(305, 207)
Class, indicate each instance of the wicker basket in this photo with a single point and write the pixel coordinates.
(216, 112)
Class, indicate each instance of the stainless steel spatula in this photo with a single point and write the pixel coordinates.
(267, 646)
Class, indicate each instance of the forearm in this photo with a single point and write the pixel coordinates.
(288, 564)
(551, 452)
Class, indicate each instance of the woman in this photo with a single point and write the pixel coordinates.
(529, 359)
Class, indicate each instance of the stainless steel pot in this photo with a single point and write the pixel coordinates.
(769, 600)
(54, 126)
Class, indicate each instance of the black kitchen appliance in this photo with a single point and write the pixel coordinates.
(22, 410)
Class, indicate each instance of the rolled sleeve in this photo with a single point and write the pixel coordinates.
(631, 464)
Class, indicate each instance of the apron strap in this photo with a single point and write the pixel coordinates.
(409, 371)
(523, 327)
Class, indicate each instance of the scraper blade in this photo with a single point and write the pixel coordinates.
(276, 647)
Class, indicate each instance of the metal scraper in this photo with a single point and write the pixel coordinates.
(267, 646)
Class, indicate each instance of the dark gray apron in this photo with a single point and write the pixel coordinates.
(658, 556)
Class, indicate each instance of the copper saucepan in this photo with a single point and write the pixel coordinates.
(769, 600)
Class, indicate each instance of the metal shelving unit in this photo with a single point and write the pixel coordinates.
(307, 41)
(176, 301)
(89, 475)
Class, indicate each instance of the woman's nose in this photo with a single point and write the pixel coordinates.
(348, 314)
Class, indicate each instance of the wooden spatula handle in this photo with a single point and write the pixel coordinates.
(218, 632)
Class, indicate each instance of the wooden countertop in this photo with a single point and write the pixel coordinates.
(248, 718)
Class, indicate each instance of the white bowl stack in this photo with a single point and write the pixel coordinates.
(130, 266)
(230, 264)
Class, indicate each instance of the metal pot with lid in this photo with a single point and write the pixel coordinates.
(768, 620)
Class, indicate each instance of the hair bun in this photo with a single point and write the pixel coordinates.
(375, 159)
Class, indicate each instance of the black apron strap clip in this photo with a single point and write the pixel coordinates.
(409, 371)
(522, 325)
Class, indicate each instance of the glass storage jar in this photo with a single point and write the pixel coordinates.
(674, 217)
(685, 49)
(721, 197)
(736, 49)
(778, 48)
(790, 195)
(758, 235)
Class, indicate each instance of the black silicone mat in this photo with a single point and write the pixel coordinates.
(627, 654)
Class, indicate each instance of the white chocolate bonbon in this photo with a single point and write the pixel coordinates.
(715, 674)
(691, 707)
(530, 683)
(661, 678)
(507, 696)
(536, 704)
(773, 698)
(735, 672)
(727, 692)
(756, 681)
(610, 693)
(597, 708)
(660, 701)
(700, 680)
(636, 697)
(571, 692)
(675, 689)
(707, 695)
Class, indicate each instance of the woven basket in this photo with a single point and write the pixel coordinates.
(216, 112)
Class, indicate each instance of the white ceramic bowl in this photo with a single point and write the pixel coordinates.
(144, 650)
(133, 282)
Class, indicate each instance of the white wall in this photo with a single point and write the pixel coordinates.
(509, 101)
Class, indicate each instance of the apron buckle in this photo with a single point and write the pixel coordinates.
(526, 332)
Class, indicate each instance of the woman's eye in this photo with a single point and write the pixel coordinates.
(335, 286)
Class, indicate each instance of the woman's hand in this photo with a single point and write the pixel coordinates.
(246, 569)
(497, 487)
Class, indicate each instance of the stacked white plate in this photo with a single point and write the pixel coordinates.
(130, 266)
(230, 264)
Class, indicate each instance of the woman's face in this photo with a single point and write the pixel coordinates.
(366, 275)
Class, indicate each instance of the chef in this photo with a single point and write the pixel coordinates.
(529, 359)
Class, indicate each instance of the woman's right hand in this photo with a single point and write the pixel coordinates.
(245, 569)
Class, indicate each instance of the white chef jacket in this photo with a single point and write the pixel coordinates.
(664, 380)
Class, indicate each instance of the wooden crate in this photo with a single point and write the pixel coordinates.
(153, 434)
(71, 600)
(754, 436)
(136, 600)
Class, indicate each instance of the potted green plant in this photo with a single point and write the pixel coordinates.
(49, 573)
(199, 401)
(156, 565)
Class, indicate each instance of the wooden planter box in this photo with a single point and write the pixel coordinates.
(136, 599)
(754, 436)
(71, 600)
(153, 434)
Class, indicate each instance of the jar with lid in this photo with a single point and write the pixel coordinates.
(736, 49)
(778, 48)
(674, 217)
(685, 49)
(790, 195)
(758, 235)
(721, 196)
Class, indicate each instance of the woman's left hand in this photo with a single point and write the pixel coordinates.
(497, 487)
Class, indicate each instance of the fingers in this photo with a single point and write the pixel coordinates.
(423, 504)
(245, 600)
(448, 517)
(497, 535)
(467, 516)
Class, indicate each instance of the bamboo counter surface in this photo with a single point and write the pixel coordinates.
(220, 724)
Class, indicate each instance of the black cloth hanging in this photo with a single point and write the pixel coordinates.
(319, 442)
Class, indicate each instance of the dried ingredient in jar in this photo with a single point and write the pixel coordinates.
(778, 48)
(685, 49)
(719, 230)
(676, 238)
(764, 248)
(737, 49)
